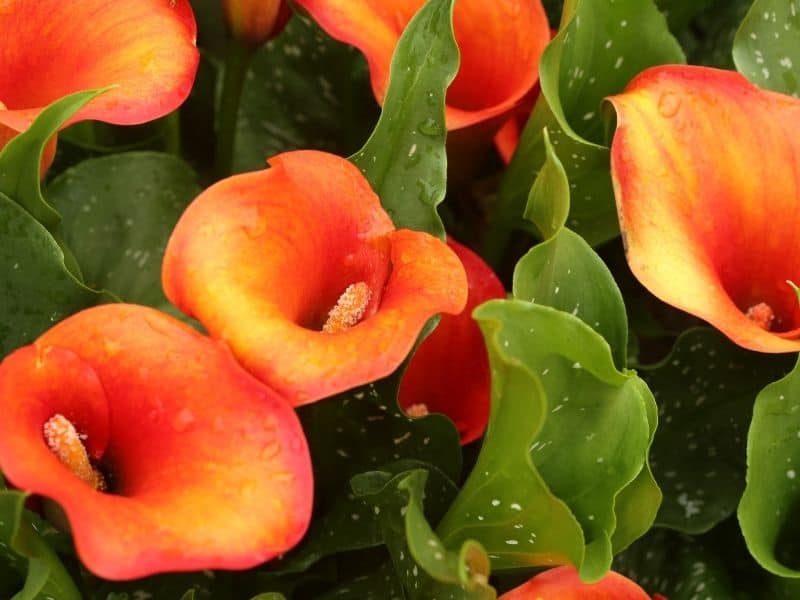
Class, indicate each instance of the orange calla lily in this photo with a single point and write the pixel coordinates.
(563, 583)
(300, 270)
(449, 372)
(256, 21)
(706, 171)
(164, 454)
(500, 44)
(144, 48)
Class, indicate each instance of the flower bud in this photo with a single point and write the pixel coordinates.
(254, 22)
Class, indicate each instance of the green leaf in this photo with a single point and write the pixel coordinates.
(26, 552)
(304, 90)
(36, 288)
(20, 159)
(535, 496)
(404, 158)
(705, 390)
(563, 271)
(577, 429)
(424, 565)
(269, 596)
(118, 213)
(768, 512)
(677, 566)
(548, 200)
(350, 523)
(596, 54)
(381, 584)
(363, 428)
(200, 585)
(599, 48)
(766, 48)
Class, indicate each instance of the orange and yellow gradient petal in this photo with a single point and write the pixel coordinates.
(706, 171)
(300, 271)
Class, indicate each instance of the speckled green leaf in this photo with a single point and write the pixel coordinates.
(21, 158)
(118, 213)
(563, 271)
(405, 158)
(549, 198)
(679, 567)
(768, 512)
(36, 288)
(705, 391)
(304, 90)
(601, 45)
(349, 522)
(363, 428)
(23, 549)
(766, 49)
(535, 496)
(426, 568)
(381, 584)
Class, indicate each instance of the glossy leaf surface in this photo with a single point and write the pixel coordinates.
(768, 510)
(405, 159)
(563, 271)
(598, 49)
(36, 288)
(766, 49)
(118, 213)
(536, 478)
(424, 565)
(705, 391)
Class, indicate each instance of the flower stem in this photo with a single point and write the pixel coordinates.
(236, 62)
(172, 133)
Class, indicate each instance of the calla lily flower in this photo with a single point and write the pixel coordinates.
(256, 21)
(145, 49)
(500, 44)
(300, 271)
(706, 171)
(563, 583)
(164, 454)
(449, 372)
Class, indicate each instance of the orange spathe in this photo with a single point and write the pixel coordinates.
(261, 259)
(145, 49)
(500, 43)
(205, 467)
(563, 583)
(706, 171)
(449, 372)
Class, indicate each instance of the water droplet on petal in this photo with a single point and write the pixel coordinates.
(669, 104)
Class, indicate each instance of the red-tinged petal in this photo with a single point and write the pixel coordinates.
(256, 21)
(563, 583)
(207, 468)
(706, 171)
(51, 48)
(261, 258)
(507, 138)
(500, 44)
(449, 372)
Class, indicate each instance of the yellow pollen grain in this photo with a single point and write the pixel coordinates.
(64, 441)
(762, 315)
(349, 309)
(417, 410)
